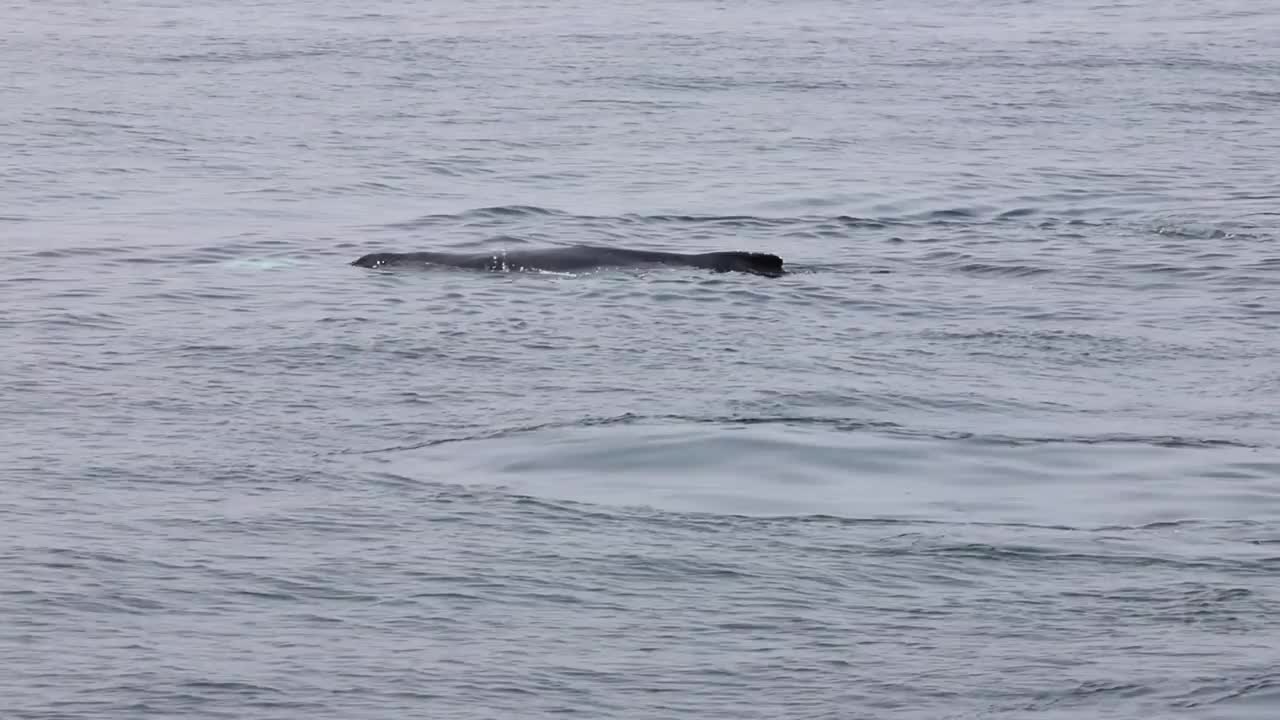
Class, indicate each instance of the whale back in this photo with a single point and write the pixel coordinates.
(748, 262)
(373, 260)
(576, 258)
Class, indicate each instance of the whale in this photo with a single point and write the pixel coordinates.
(578, 258)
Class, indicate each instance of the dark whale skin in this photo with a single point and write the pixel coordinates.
(580, 257)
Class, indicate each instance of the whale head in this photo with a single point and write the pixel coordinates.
(373, 260)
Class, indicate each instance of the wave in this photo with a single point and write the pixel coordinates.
(828, 423)
(233, 55)
(941, 216)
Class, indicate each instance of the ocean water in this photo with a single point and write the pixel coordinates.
(1004, 443)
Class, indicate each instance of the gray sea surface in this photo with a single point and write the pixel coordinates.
(1004, 443)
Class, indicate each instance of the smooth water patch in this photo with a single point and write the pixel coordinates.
(796, 470)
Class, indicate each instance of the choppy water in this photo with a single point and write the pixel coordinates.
(1004, 445)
